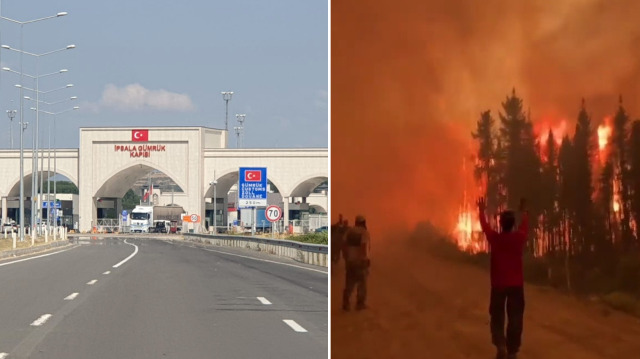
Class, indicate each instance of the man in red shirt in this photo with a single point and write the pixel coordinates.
(507, 282)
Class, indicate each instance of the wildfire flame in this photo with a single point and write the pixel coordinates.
(559, 131)
(468, 232)
(542, 130)
(604, 135)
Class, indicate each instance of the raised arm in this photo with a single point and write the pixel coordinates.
(486, 228)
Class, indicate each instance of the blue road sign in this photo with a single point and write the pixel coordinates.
(49, 204)
(252, 191)
(124, 215)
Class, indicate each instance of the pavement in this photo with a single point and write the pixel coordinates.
(425, 307)
(146, 298)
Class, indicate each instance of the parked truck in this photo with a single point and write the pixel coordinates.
(246, 218)
(144, 217)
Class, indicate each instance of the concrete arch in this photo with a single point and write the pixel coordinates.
(14, 190)
(305, 186)
(228, 178)
(112, 186)
(318, 208)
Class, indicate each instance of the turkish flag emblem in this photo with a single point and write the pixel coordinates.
(139, 135)
(252, 176)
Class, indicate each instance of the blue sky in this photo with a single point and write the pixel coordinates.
(164, 63)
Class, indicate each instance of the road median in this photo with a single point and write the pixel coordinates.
(25, 247)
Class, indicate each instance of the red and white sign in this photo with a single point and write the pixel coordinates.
(140, 135)
(252, 176)
(273, 213)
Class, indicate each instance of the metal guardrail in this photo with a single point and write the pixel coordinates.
(309, 247)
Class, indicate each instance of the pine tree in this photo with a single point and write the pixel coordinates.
(565, 201)
(621, 172)
(606, 201)
(634, 151)
(550, 193)
(485, 169)
(582, 158)
(513, 123)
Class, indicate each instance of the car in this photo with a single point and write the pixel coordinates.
(10, 227)
(322, 229)
(160, 227)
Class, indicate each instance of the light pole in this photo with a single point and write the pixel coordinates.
(23, 126)
(240, 118)
(11, 114)
(55, 115)
(34, 190)
(226, 96)
(49, 152)
(238, 130)
(22, 23)
(215, 204)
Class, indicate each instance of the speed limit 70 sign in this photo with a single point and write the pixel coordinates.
(273, 213)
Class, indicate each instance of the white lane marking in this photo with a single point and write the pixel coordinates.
(3, 355)
(92, 282)
(295, 326)
(107, 272)
(264, 300)
(71, 296)
(266, 260)
(30, 258)
(129, 257)
(43, 319)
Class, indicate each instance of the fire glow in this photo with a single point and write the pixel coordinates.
(468, 232)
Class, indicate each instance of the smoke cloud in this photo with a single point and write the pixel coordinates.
(411, 77)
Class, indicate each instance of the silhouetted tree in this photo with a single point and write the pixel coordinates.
(582, 157)
(634, 172)
(485, 167)
(619, 137)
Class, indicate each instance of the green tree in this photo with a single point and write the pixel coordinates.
(130, 200)
(63, 187)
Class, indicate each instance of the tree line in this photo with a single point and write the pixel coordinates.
(583, 194)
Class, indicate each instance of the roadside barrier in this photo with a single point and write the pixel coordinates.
(308, 253)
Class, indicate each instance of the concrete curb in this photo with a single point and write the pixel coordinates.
(31, 250)
(314, 254)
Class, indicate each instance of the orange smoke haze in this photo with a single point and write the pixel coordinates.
(411, 77)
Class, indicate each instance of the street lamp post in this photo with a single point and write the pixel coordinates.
(215, 204)
(55, 115)
(226, 96)
(49, 153)
(240, 134)
(34, 172)
(22, 123)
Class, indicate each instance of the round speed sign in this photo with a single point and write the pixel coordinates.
(273, 213)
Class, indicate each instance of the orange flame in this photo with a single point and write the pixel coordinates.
(468, 233)
(604, 135)
(559, 131)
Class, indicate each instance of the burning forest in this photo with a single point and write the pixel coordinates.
(583, 187)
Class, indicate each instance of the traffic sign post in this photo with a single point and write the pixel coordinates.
(252, 187)
(273, 214)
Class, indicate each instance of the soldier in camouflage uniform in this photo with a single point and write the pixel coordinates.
(356, 248)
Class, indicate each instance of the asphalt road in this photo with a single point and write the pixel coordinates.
(166, 300)
(421, 306)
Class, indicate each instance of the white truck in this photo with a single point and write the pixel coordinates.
(141, 219)
(144, 217)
